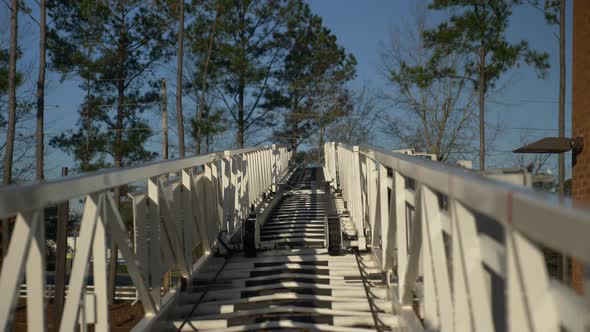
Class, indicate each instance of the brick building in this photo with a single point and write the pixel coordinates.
(581, 113)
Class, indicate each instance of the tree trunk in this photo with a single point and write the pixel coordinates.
(294, 125)
(242, 79)
(39, 160)
(10, 132)
(164, 121)
(204, 86)
(118, 153)
(88, 119)
(241, 124)
(7, 176)
(294, 135)
(117, 192)
(482, 101)
(321, 144)
(181, 151)
(208, 133)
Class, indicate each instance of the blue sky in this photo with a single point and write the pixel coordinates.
(360, 26)
(524, 102)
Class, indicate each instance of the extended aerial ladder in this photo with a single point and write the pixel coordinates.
(372, 240)
(298, 277)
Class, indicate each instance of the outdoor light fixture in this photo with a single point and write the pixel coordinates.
(553, 145)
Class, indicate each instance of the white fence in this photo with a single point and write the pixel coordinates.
(186, 204)
(123, 293)
(462, 249)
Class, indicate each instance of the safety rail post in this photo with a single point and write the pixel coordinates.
(141, 232)
(188, 217)
(247, 185)
(438, 309)
(63, 211)
(239, 190)
(401, 225)
(25, 228)
(333, 163)
(386, 220)
(99, 265)
(357, 203)
(333, 236)
(200, 205)
(274, 166)
(228, 190)
(327, 161)
(234, 193)
(217, 191)
(211, 201)
(93, 206)
(245, 204)
(469, 283)
(154, 257)
(257, 177)
(35, 273)
(372, 199)
(270, 176)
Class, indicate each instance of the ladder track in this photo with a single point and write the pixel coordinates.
(293, 284)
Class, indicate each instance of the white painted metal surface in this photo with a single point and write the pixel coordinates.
(184, 206)
(462, 249)
(292, 279)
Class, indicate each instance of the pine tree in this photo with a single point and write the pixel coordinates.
(477, 31)
(437, 115)
(310, 85)
(180, 55)
(12, 83)
(247, 55)
(209, 125)
(39, 158)
(111, 46)
(4, 60)
(202, 70)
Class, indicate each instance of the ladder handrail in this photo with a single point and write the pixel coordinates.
(459, 245)
(504, 202)
(36, 195)
(173, 222)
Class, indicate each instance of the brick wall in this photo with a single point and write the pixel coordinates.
(581, 112)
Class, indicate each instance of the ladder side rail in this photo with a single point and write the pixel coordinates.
(454, 213)
(169, 222)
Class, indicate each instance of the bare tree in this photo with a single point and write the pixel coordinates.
(10, 132)
(330, 105)
(180, 120)
(356, 126)
(534, 162)
(204, 85)
(437, 113)
(39, 160)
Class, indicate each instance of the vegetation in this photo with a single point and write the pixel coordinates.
(263, 71)
(250, 72)
(310, 86)
(438, 112)
(121, 43)
(12, 82)
(476, 31)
